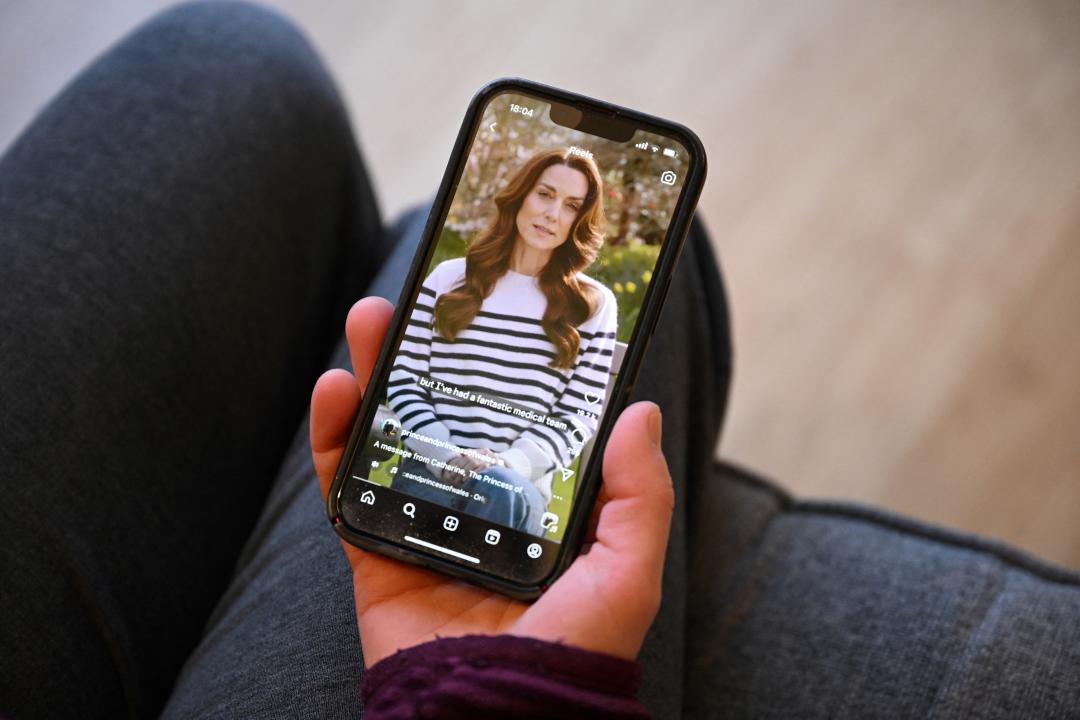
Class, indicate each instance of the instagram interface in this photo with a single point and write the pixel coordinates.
(517, 333)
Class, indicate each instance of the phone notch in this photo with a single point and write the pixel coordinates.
(593, 120)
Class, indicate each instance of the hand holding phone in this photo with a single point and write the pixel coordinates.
(517, 337)
(605, 601)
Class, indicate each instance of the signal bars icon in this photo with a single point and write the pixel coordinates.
(645, 145)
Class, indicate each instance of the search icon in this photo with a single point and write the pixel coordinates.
(409, 509)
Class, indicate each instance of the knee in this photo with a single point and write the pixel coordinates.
(237, 35)
(222, 58)
(697, 258)
(696, 309)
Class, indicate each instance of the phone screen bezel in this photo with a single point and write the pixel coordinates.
(588, 480)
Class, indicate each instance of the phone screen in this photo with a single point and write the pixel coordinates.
(514, 340)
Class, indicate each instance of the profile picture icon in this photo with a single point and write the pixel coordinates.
(390, 427)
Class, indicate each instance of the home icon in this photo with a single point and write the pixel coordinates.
(368, 498)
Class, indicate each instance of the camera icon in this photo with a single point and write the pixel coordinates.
(668, 178)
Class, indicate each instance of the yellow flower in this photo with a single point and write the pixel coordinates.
(618, 287)
(631, 287)
(646, 276)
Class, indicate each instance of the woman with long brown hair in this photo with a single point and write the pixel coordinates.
(503, 369)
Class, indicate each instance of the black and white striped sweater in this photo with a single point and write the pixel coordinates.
(505, 354)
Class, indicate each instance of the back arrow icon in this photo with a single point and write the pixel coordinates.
(491, 127)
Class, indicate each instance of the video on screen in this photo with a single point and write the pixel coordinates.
(518, 332)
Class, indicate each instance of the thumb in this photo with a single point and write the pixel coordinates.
(635, 520)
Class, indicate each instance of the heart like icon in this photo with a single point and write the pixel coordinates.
(592, 399)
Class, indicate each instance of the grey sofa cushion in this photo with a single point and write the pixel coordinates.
(813, 609)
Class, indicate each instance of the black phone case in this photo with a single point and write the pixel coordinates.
(651, 305)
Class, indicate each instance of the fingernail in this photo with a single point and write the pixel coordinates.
(656, 424)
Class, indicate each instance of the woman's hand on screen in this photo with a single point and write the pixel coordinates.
(605, 602)
(493, 458)
(466, 463)
(450, 475)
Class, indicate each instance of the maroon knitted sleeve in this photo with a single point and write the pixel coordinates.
(483, 676)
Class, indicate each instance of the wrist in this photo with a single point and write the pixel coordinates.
(503, 676)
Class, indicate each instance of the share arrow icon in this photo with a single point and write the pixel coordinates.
(567, 473)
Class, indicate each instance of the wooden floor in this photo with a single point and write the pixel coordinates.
(894, 191)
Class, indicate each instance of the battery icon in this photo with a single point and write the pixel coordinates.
(670, 153)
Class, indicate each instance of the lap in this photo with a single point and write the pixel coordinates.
(289, 613)
(292, 594)
(179, 232)
(182, 233)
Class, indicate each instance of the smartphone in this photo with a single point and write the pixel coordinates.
(518, 336)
